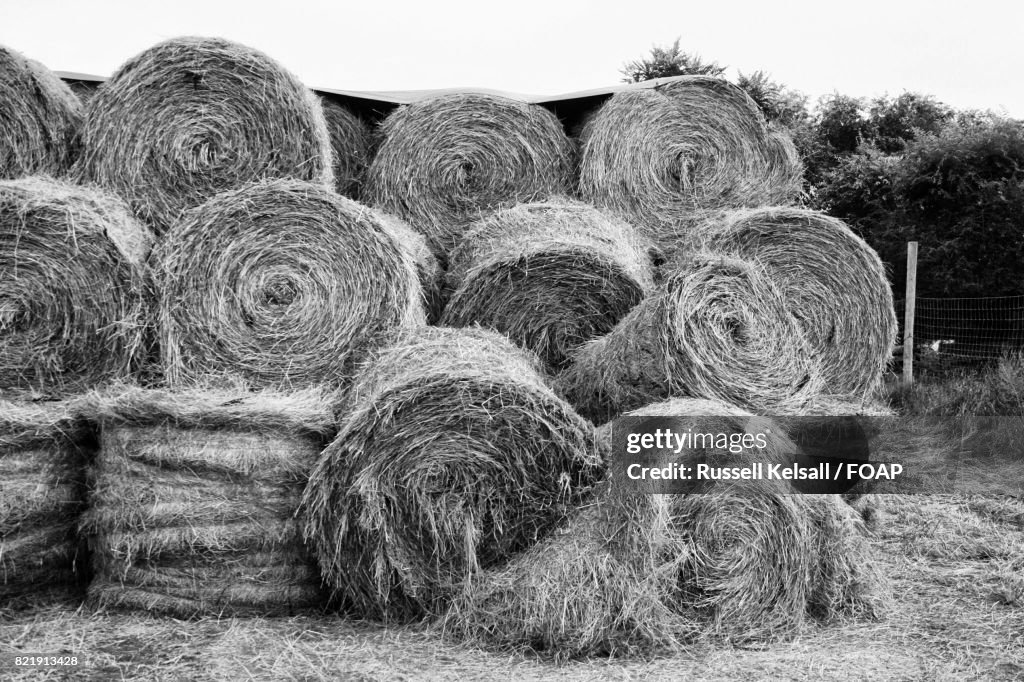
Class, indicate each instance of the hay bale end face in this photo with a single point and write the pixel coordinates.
(209, 115)
(352, 147)
(551, 276)
(453, 455)
(661, 156)
(283, 284)
(74, 297)
(39, 119)
(192, 510)
(443, 162)
(44, 451)
(833, 283)
(429, 270)
(717, 328)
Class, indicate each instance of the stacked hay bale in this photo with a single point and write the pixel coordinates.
(444, 161)
(663, 156)
(431, 274)
(351, 144)
(717, 328)
(551, 276)
(633, 572)
(453, 455)
(833, 282)
(39, 118)
(208, 115)
(281, 283)
(43, 456)
(74, 301)
(192, 511)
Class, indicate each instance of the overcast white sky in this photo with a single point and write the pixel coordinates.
(968, 54)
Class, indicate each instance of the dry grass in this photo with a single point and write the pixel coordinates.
(44, 450)
(452, 455)
(284, 284)
(717, 328)
(193, 498)
(430, 272)
(210, 115)
(74, 300)
(551, 276)
(832, 281)
(40, 120)
(662, 156)
(444, 162)
(351, 144)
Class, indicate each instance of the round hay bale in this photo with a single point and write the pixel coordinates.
(193, 507)
(351, 144)
(833, 283)
(550, 276)
(39, 118)
(431, 274)
(74, 298)
(716, 328)
(661, 156)
(445, 161)
(191, 117)
(453, 455)
(44, 452)
(281, 283)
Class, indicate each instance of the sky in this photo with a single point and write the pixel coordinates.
(967, 54)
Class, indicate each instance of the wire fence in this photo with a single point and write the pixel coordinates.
(965, 333)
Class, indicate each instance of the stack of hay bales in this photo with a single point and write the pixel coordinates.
(431, 274)
(633, 572)
(74, 300)
(833, 283)
(663, 156)
(453, 456)
(43, 456)
(717, 328)
(39, 118)
(281, 283)
(551, 276)
(192, 510)
(444, 161)
(351, 145)
(191, 117)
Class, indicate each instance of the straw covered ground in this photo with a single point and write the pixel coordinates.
(192, 505)
(444, 162)
(212, 114)
(282, 283)
(718, 327)
(662, 156)
(74, 288)
(44, 452)
(551, 276)
(39, 118)
(833, 283)
(452, 455)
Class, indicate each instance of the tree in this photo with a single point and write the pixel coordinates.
(669, 61)
(776, 101)
(892, 123)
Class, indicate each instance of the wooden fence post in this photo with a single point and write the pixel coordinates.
(908, 318)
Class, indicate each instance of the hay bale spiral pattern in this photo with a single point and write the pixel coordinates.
(445, 161)
(833, 282)
(39, 118)
(191, 117)
(716, 328)
(661, 156)
(453, 456)
(551, 276)
(74, 301)
(282, 283)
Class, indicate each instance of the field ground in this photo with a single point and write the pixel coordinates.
(957, 566)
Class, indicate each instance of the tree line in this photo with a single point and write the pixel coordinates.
(896, 169)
